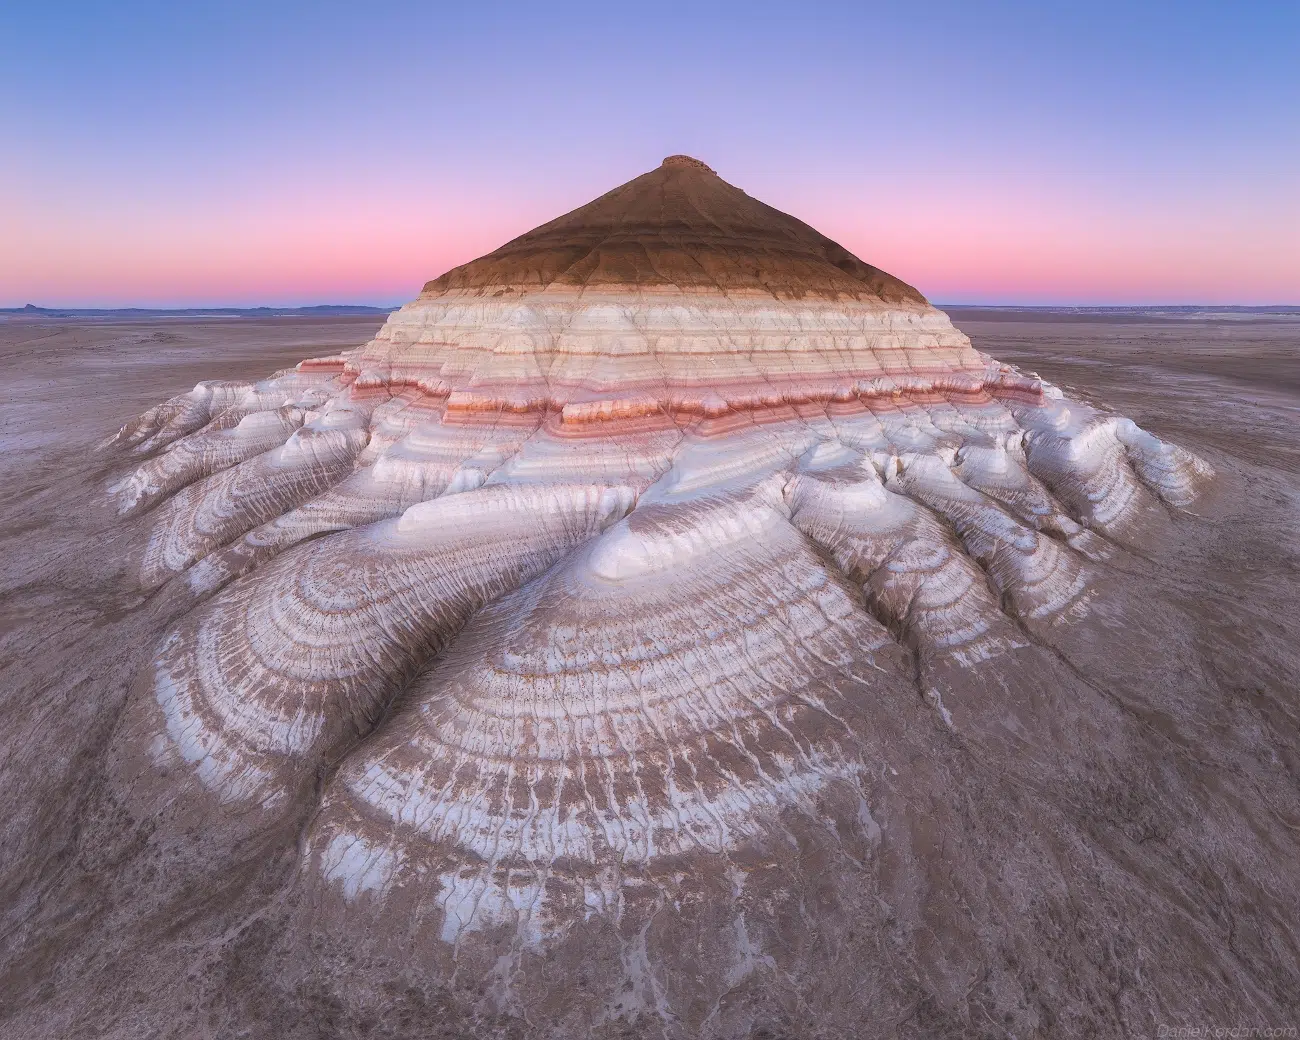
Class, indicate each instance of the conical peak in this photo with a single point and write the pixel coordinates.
(686, 160)
(678, 226)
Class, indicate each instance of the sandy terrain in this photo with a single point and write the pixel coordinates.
(1186, 838)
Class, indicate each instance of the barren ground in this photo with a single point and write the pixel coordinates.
(100, 937)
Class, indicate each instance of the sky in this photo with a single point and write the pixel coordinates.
(197, 154)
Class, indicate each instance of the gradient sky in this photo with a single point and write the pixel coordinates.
(164, 154)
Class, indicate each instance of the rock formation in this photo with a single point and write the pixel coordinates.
(581, 602)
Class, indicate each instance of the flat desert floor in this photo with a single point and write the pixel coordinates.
(103, 935)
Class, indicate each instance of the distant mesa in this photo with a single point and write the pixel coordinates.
(611, 545)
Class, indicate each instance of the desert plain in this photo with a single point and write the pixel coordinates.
(1168, 895)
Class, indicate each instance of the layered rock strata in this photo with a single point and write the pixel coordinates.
(604, 542)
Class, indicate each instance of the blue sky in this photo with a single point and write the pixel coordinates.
(282, 153)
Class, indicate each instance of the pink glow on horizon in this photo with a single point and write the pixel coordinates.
(990, 245)
(300, 251)
(355, 246)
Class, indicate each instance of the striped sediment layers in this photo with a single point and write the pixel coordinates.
(590, 541)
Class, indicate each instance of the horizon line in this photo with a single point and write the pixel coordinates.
(38, 309)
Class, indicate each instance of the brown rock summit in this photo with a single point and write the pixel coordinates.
(688, 160)
(683, 226)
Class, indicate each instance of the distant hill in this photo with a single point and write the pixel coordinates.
(1170, 308)
(1114, 315)
(323, 310)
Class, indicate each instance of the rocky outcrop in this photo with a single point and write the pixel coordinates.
(581, 602)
